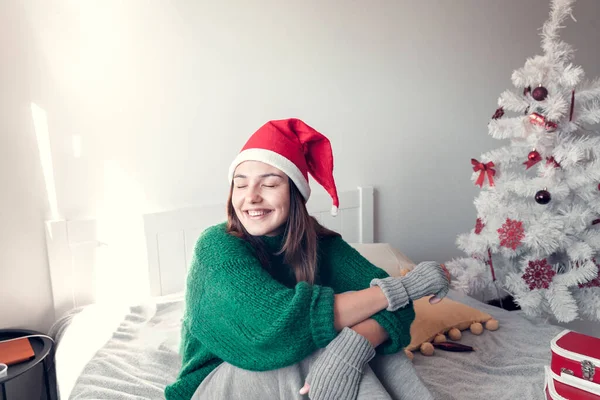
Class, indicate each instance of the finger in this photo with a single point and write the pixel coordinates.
(434, 300)
(305, 388)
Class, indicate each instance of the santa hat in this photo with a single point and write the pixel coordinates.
(296, 149)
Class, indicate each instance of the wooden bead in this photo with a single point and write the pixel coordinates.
(427, 349)
(455, 334)
(439, 338)
(492, 325)
(476, 328)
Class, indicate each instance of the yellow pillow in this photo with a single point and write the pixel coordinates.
(433, 319)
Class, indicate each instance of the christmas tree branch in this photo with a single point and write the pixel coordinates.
(589, 91)
(590, 113)
(506, 128)
(556, 107)
(551, 44)
(562, 303)
(571, 76)
(512, 101)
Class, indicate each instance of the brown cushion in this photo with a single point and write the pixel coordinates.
(432, 319)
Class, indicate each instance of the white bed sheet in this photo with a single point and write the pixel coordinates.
(508, 363)
(87, 331)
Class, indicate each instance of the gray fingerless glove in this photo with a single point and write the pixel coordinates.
(426, 278)
(336, 373)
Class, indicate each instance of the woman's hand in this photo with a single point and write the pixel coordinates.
(337, 372)
(436, 299)
(427, 278)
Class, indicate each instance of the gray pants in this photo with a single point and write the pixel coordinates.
(391, 377)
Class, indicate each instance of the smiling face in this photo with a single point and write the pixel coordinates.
(261, 198)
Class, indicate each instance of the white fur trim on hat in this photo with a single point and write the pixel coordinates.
(276, 160)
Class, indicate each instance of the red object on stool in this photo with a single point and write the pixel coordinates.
(574, 371)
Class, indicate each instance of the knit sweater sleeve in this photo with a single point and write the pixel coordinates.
(247, 318)
(348, 270)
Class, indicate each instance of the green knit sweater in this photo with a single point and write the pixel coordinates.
(239, 313)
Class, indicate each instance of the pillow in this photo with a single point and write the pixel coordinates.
(431, 320)
(384, 256)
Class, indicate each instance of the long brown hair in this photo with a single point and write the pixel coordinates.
(300, 237)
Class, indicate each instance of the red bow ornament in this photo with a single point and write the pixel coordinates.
(551, 160)
(487, 168)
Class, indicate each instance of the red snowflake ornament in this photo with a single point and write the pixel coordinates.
(538, 274)
(511, 234)
(594, 282)
(478, 226)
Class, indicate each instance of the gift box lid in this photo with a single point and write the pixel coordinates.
(577, 347)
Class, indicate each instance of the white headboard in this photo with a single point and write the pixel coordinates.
(170, 237)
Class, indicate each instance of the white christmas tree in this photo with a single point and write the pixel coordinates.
(537, 234)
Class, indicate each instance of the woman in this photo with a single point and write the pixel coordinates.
(275, 302)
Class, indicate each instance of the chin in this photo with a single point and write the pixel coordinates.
(255, 231)
(261, 231)
(270, 225)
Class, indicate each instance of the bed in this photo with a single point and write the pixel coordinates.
(128, 349)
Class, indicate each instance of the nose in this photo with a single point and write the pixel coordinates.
(253, 195)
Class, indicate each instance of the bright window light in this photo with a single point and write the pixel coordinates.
(121, 266)
(40, 123)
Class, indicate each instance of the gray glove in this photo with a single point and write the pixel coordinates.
(336, 373)
(427, 278)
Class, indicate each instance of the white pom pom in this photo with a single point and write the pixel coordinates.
(334, 211)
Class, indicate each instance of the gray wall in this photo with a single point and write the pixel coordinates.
(161, 96)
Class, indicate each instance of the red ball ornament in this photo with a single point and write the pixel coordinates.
(532, 158)
(533, 155)
(543, 197)
(539, 93)
(599, 186)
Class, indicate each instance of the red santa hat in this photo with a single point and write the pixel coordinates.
(296, 149)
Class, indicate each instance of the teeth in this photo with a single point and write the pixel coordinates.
(257, 213)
